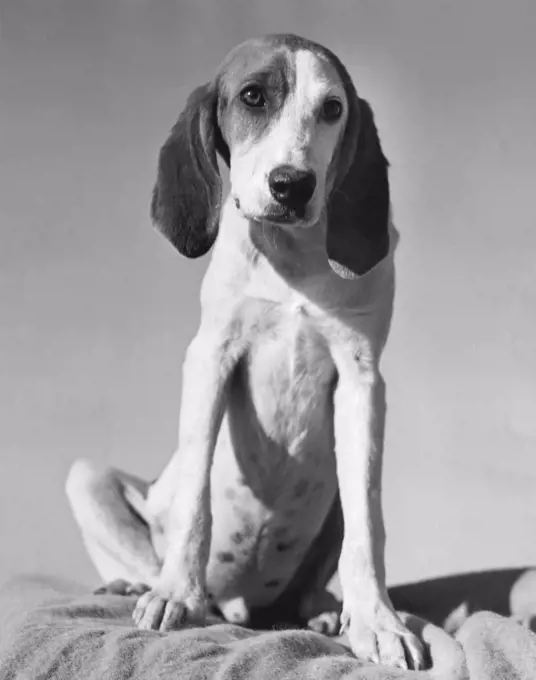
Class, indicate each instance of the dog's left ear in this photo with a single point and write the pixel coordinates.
(358, 210)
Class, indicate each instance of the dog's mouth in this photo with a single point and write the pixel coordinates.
(279, 215)
(288, 217)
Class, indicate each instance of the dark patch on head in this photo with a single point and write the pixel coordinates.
(226, 557)
(290, 513)
(252, 64)
(301, 488)
(238, 537)
(274, 583)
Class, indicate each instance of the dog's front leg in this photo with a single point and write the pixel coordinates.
(374, 629)
(182, 494)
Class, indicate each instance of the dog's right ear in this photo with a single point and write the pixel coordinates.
(187, 196)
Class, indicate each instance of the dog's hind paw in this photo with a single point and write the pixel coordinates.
(321, 611)
(327, 623)
(122, 587)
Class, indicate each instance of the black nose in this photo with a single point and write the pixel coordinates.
(291, 187)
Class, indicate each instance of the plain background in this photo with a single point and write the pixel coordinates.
(97, 309)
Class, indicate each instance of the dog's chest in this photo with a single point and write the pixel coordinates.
(274, 475)
(288, 369)
(282, 389)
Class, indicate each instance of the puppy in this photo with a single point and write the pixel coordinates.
(276, 479)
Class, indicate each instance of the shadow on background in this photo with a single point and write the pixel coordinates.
(446, 601)
(449, 600)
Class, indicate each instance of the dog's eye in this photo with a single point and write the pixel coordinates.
(331, 110)
(253, 96)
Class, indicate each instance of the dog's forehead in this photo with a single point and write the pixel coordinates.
(285, 60)
(251, 59)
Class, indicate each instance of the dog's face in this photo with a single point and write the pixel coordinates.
(284, 115)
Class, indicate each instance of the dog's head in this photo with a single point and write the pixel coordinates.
(284, 115)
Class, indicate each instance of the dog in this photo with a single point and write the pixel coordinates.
(276, 479)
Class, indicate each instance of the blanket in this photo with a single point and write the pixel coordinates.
(54, 629)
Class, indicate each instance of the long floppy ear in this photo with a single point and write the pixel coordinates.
(187, 196)
(358, 210)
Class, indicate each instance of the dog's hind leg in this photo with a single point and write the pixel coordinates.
(109, 508)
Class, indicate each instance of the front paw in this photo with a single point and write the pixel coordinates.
(382, 638)
(161, 609)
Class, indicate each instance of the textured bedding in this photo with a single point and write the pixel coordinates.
(51, 628)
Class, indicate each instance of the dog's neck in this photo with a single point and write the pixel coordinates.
(292, 251)
(295, 253)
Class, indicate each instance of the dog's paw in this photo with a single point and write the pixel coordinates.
(122, 587)
(383, 638)
(161, 610)
(327, 623)
(321, 610)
